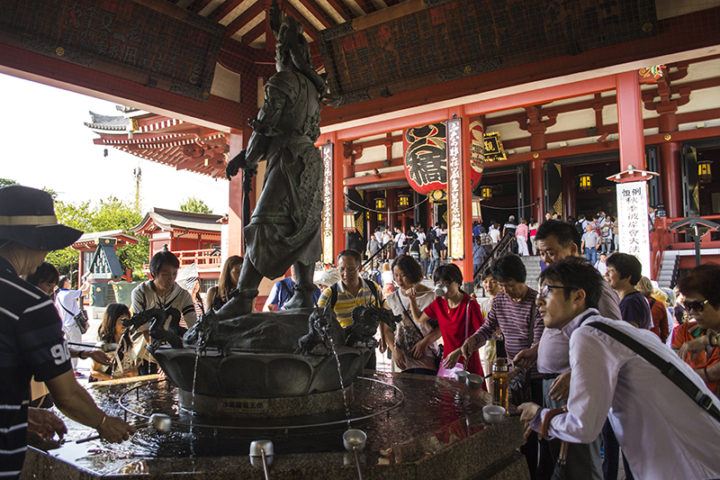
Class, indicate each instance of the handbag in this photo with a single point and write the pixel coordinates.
(459, 367)
(407, 338)
(519, 383)
(80, 318)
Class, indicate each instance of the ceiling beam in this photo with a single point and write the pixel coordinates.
(255, 9)
(341, 9)
(318, 13)
(390, 3)
(225, 8)
(307, 26)
(366, 5)
(254, 33)
(198, 5)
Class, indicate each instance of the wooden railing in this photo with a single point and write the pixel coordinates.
(663, 239)
(205, 259)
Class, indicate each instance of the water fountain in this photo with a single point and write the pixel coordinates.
(288, 387)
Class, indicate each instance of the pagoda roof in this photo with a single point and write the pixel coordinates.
(168, 220)
(162, 139)
(91, 239)
(112, 123)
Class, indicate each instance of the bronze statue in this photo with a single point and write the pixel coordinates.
(285, 226)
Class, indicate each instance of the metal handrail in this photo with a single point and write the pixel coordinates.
(372, 257)
(501, 249)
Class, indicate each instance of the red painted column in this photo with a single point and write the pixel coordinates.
(467, 267)
(338, 198)
(670, 167)
(537, 175)
(630, 122)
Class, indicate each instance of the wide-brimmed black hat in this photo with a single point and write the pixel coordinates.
(27, 217)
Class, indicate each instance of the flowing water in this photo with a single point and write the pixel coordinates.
(342, 387)
(192, 402)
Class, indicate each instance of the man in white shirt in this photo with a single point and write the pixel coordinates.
(399, 241)
(649, 413)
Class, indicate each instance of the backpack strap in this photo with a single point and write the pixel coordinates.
(333, 295)
(676, 376)
(374, 291)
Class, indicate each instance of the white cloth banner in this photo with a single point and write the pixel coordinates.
(633, 225)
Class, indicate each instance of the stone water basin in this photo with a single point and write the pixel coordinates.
(436, 431)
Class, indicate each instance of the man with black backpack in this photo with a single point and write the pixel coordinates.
(654, 401)
(350, 292)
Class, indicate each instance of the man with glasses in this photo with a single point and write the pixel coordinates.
(697, 341)
(663, 431)
(554, 242)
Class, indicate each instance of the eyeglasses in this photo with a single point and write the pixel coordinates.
(545, 290)
(697, 305)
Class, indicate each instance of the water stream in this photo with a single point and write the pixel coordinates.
(192, 402)
(342, 386)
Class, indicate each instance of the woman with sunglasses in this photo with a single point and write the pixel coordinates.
(697, 341)
(457, 314)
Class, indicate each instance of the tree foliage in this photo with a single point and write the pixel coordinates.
(109, 214)
(4, 182)
(195, 205)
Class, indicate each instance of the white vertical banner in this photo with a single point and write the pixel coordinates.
(633, 225)
(455, 189)
(327, 212)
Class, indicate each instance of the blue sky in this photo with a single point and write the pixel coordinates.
(45, 144)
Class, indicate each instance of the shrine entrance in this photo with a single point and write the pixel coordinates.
(584, 188)
(505, 192)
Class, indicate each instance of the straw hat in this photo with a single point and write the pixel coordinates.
(27, 217)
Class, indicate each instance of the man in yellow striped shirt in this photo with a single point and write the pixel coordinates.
(352, 291)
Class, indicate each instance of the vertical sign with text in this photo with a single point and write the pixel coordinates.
(633, 225)
(455, 189)
(327, 212)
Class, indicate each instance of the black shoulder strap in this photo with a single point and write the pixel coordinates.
(677, 377)
(373, 291)
(333, 295)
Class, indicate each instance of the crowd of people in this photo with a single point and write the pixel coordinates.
(604, 366)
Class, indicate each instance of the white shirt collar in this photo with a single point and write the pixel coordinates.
(577, 321)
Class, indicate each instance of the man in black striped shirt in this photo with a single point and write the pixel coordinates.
(31, 337)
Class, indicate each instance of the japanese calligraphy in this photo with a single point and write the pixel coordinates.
(327, 212)
(633, 225)
(455, 190)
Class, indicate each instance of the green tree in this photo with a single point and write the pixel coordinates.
(4, 182)
(109, 214)
(195, 205)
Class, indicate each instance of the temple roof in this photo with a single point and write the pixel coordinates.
(161, 139)
(91, 239)
(167, 220)
(114, 123)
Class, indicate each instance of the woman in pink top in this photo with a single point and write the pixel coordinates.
(521, 236)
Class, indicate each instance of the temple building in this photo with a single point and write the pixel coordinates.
(488, 112)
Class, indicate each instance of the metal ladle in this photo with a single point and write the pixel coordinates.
(159, 422)
(354, 441)
(261, 454)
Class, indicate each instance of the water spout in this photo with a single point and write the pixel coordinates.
(261, 455)
(354, 441)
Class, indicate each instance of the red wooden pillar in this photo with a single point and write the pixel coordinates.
(460, 249)
(537, 174)
(630, 122)
(467, 267)
(338, 198)
(669, 167)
